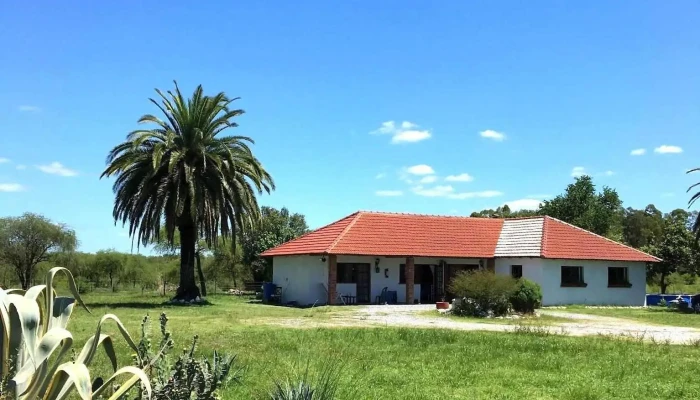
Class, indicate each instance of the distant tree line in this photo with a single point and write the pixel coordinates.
(668, 236)
(31, 244)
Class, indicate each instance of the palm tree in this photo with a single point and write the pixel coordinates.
(183, 174)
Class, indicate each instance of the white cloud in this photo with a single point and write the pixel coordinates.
(524, 204)
(668, 194)
(28, 108)
(410, 136)
(609, 173)
(436, 191)
(407, 132)
(388, 193)
(453, 211)
(420, 169)
(668, 149)
(449, 192)
(4, 160)
(471, 195)
(380, 176)
(21, 166)
(11, 187)
(578, 171)
(491, 134)
(56, 168)
(638, 152)
(123, 234)
(460, 178)
(538, 196)
(428, 179)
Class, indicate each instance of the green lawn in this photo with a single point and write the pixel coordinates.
(652, 315)
(392, 363)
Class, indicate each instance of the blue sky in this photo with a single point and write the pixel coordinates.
(490, 104)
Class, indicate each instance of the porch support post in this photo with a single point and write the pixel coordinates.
(491, 265)
(409, 280)
(332, 278)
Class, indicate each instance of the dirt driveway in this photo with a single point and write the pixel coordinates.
(579, 325)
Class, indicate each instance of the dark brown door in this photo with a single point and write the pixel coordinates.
(363, 283)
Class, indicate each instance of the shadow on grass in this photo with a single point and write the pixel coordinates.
(145, 305)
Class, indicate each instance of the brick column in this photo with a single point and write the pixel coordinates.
(332, 278)
(409, 280)
(491, 265)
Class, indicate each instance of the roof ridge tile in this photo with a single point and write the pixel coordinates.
(358, 214)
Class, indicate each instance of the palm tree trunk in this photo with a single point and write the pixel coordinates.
(188, 289)
(202, 282)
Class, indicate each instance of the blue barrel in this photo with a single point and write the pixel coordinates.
(268, 291)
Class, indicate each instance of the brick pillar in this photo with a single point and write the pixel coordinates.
(491, 265)
(409, 280)
(332, 278)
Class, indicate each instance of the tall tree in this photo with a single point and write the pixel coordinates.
(580, 205)
(30, 239)
(641, 227)
(109, 263)
(275, 228)
(675, 251)
(185, 175)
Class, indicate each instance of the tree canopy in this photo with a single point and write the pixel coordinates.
(275, 228)
(580, 205)
(27, 240)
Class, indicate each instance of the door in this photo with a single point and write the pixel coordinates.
(363, 283)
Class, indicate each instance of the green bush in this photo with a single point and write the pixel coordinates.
(482, 293)
(527, 296)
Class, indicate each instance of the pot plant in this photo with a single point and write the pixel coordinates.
(442, 304)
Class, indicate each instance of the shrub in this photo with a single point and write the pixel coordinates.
(527, 296)
(305, 387)
(188, 377)
(482, 293)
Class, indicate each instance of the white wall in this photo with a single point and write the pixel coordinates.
(595, 273)
(301, 278)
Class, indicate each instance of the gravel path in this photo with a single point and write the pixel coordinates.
(580, 325)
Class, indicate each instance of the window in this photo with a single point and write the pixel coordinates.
(347, 273)
(516, 271)
(417, 273)
(572, 276)
(617, 277)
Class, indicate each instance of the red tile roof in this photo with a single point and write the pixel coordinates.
(393, 234)
(389, 234)
(565, 241)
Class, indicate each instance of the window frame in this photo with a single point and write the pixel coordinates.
(624, 283)
(513, 268)
(581, 280)
(340, 276)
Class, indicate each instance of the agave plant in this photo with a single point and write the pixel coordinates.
(34, 343)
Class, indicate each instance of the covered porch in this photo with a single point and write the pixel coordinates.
(355, 279)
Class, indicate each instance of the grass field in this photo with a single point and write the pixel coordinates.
(652, 315)
(394, 363)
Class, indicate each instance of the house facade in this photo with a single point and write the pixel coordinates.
(410, 258)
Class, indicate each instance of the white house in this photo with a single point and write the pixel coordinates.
(412, 258)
